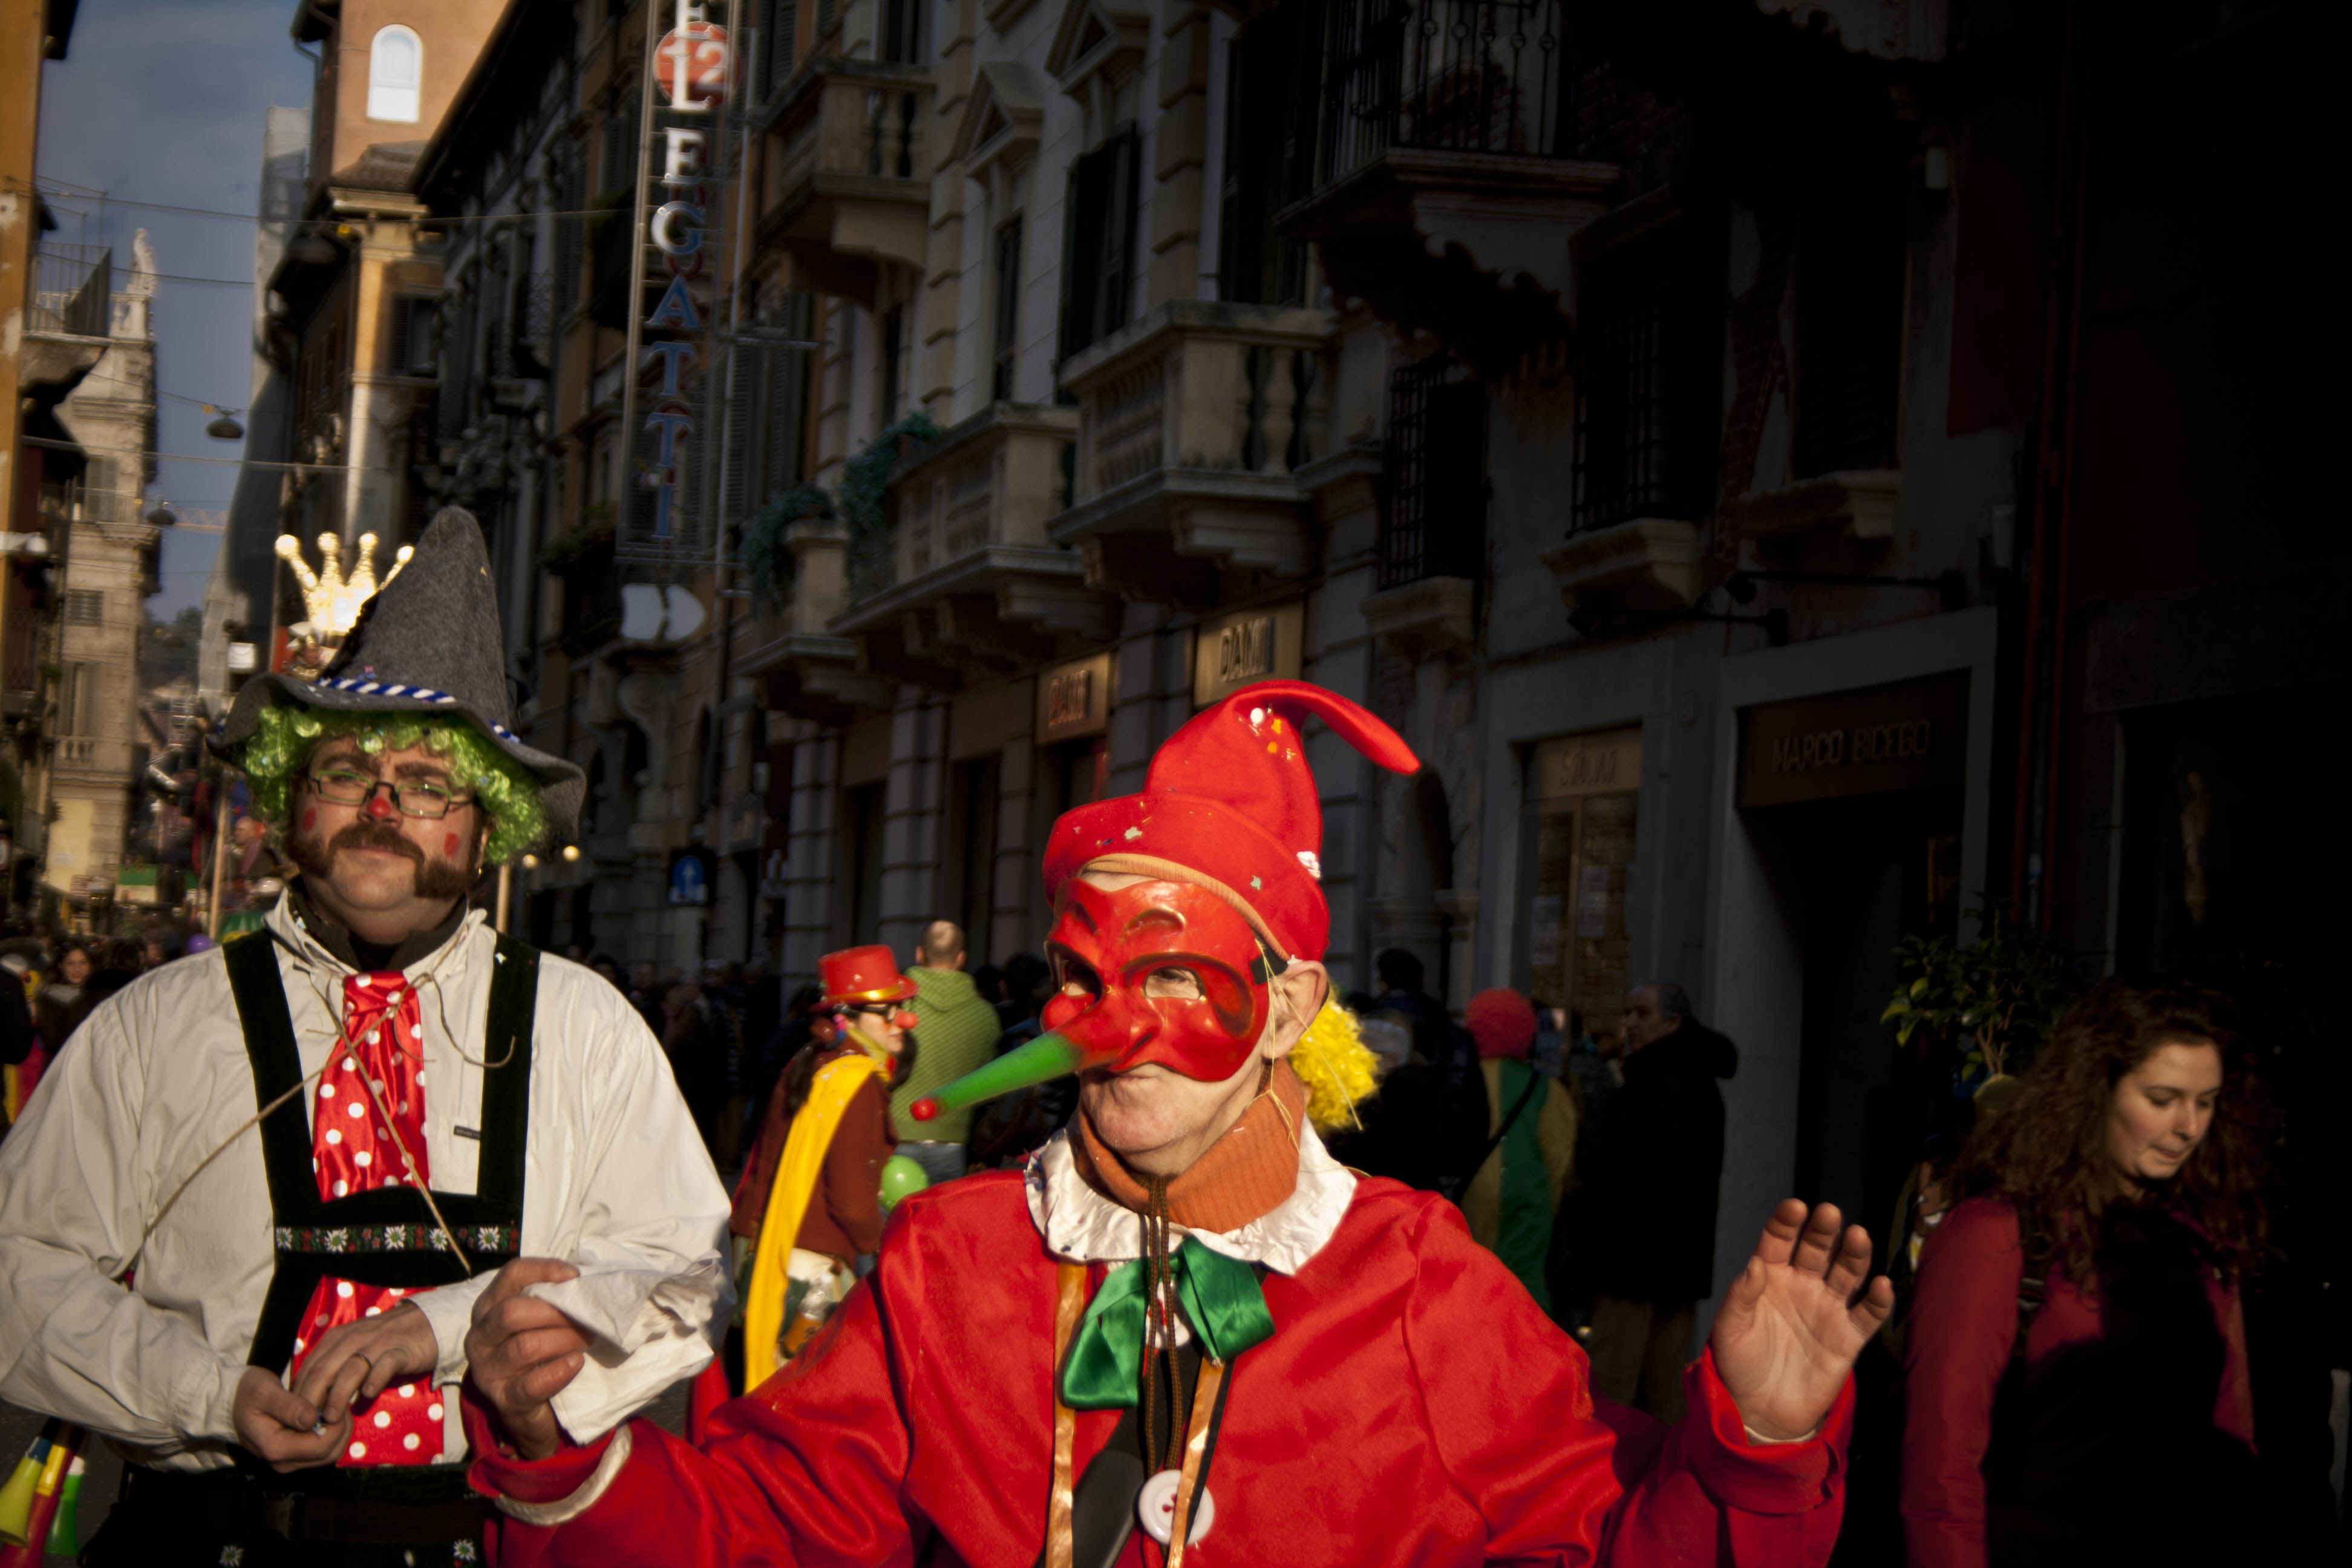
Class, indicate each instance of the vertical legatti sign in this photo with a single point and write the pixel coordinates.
(686, 79)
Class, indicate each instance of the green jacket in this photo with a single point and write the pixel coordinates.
(956, 1031)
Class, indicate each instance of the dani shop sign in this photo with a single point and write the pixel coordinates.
(1912, 734)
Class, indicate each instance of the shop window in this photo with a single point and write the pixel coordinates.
(396, 70)
(1576, 952)
(1098, 254)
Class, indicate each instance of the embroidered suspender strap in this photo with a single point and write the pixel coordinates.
(269, 1046)
(276, 1066)
(506, 1077)
(1069, 1304)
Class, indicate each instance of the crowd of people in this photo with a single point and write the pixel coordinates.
(61, 979)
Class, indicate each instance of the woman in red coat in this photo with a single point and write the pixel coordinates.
(2077, 1355)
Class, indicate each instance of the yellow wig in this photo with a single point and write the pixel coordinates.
(1332, 1060)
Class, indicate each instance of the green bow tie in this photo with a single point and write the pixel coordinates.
(1221, 1302)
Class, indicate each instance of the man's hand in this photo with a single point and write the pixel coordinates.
(363, 1359)
(523, 1352)
(1791, 1324)
(281, 1427)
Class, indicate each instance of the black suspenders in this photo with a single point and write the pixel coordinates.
(385, 1236)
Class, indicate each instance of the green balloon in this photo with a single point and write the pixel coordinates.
(901, 1177)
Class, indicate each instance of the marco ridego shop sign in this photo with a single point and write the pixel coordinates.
(1912, 734)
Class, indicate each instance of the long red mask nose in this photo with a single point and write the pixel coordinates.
(1157, 972)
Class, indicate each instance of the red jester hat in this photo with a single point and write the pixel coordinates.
(1229, 832)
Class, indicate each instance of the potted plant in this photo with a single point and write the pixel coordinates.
(1994, 1002)
(766, 562)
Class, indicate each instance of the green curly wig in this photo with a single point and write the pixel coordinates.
(285, 734)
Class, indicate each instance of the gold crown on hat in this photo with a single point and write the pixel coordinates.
(332, 599)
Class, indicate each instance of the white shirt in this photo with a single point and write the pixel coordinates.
(614, 1175)
(1082, 1225)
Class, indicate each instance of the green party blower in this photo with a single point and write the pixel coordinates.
(1049, 1055)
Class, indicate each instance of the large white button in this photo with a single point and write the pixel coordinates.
(1155, 1505)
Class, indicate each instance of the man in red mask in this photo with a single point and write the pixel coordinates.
(1185, 1328)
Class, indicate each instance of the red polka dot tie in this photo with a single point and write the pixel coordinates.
(353, 1148)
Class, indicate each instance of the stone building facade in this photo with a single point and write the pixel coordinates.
(1648, 410)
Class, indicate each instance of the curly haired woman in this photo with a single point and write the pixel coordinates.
(2077, 1366)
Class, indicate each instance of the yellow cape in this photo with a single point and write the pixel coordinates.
(830, 1092)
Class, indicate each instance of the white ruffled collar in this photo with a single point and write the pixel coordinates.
(1084, 1227)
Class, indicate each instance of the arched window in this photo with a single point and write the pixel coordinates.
(395, 67)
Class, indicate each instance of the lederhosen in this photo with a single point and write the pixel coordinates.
(385, 1236)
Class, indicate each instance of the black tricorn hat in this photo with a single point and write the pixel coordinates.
(426, 643)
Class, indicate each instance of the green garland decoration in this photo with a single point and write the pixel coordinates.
(765, 560)
(865, 478)
(286, 734)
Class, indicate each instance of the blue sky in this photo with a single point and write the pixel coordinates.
(162, 100)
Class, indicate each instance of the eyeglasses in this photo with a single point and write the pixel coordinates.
(349, 786)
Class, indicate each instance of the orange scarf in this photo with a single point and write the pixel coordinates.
(1242, 1175)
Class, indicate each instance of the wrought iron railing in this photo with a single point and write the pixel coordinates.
(1466, 76)
(73, 290)
(1433, 516)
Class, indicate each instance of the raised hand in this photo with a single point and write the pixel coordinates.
(522, 1352)
(1791, 1324)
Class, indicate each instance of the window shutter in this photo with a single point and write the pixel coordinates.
(404, 321)
(1125, 158)
(784, 21)
(1080, 256)
(572, 238)
(744, 423)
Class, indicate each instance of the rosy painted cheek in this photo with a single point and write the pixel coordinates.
(310, 818)
(449, 846)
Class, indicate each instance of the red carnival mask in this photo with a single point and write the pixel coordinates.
(1118, 947)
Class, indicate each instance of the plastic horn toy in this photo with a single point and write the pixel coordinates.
(1048, 1056)
(57, 1450)
(65, 1535)
(17, 1497)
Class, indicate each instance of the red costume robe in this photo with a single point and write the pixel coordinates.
(1413, 1406)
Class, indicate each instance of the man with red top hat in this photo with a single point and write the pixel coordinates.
(1185, 1330)
(811, 1195)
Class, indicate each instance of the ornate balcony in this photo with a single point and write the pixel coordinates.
(1194, 423)
(1850, 512)
(1648, 564)
(846, 184)
(1456, 158)
(971, 579)
(808, 670)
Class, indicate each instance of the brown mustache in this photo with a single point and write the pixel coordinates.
(366, 835)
